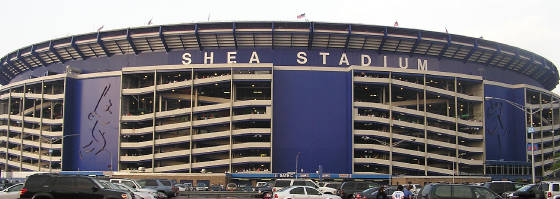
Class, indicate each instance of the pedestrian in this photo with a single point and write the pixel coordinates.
(407, 192)
(381, 194)
(398, 194)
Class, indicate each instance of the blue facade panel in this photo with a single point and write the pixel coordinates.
(312, 116)
(505, 129)
(92, 111)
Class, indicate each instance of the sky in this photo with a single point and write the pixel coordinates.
(530, 25)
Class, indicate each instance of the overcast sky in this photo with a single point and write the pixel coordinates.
(531, 25)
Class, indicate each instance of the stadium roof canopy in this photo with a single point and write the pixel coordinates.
(278, 34)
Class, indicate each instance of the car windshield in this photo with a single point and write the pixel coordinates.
(526, 188)
(165, 182)
(123, 187)
(106, 184)
(144, 183)
(284, 189)
(128, 183)
(334, 186)
(282, 183)
(201, 184)
(370, 190)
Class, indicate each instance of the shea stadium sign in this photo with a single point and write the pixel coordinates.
(283, 57)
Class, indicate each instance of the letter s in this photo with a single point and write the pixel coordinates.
(187, 58)
(301, 58)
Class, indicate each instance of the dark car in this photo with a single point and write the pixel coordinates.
(347, 189)
(500, 187)
(54, 186)
(161, 185)
(265, 191)
(530, 191)
(371, 193)
(456, 191)
(216, 187)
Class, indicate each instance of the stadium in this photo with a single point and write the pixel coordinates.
(279, 97)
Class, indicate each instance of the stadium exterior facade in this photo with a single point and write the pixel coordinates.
(263, 97)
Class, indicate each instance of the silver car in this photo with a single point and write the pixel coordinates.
(11, 192)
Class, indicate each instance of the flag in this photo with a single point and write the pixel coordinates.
(446, 30)
(396, 24)
(99, 29)
(301, 16)
(150, 22)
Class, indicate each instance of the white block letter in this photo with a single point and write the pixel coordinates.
(231, 57)
(405, 63)
(385, 61)
(301, 58)
(206, 57)
(422, 66)
(364, 58)
(343, 59)
(324, 54)
(187, 58)
(254, 58)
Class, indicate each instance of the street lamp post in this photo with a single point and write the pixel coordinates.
(297, 161)
(530, 112)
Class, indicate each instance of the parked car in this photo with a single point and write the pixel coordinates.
(302, 192)
(371, 193)
(264, 191)
(527, 191)
(143, 195)
(231, 187)
(160, 185)
(189, 186)
(500, 187)
(281, 183)
(201, 186)
(132, 183)
(181, 187)
(216, 187)
(261, 184)
(330, 187)
(456, 191)
(12, 192)
(550, 189)
(245, 188)
(51, 186)
(347, 189)
(542, 190)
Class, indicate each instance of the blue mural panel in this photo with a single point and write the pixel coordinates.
(312, 117)
(505, 129)
(92, 111)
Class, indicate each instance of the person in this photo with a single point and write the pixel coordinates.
(398, 194)
(407, 192)
(381, 194)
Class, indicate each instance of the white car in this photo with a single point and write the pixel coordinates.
(281, 183)
(133, 184)
(181, 187)
(301, 192)
(11, 192)
(330, 187)
(144, 195)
